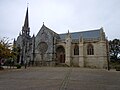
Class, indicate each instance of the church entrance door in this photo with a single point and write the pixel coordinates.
(60, 54)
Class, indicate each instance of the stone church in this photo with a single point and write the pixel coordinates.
(48, 48)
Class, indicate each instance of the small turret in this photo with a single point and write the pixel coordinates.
(20, 34)
(14, 42)
(81, 38)
(68, 34)
(102, 34)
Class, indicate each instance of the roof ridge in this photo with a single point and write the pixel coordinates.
(50, 29)
(83, 31)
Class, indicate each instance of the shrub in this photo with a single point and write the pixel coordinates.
(18, 66)
(1, 68)
(117, 68)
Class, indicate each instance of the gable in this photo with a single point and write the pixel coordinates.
(45, 35)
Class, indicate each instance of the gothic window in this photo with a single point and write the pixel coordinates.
(76, 50)
(42, 47)
(90, 49)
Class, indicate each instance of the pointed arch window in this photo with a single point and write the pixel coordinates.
(76, 50)
(90, 49)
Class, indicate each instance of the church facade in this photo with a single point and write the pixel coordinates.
(47, 48)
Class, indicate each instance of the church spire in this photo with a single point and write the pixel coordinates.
(26, 23)
(25, 28)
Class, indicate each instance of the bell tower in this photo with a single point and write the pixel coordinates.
(25, 40)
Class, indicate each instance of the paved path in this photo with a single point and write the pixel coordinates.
(59, 78)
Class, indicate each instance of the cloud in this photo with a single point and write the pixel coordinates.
(60, 15)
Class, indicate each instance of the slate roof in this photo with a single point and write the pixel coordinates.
(85, 34)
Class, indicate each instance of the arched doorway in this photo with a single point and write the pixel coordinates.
(60, 54)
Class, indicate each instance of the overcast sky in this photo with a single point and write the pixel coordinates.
(60, 15)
